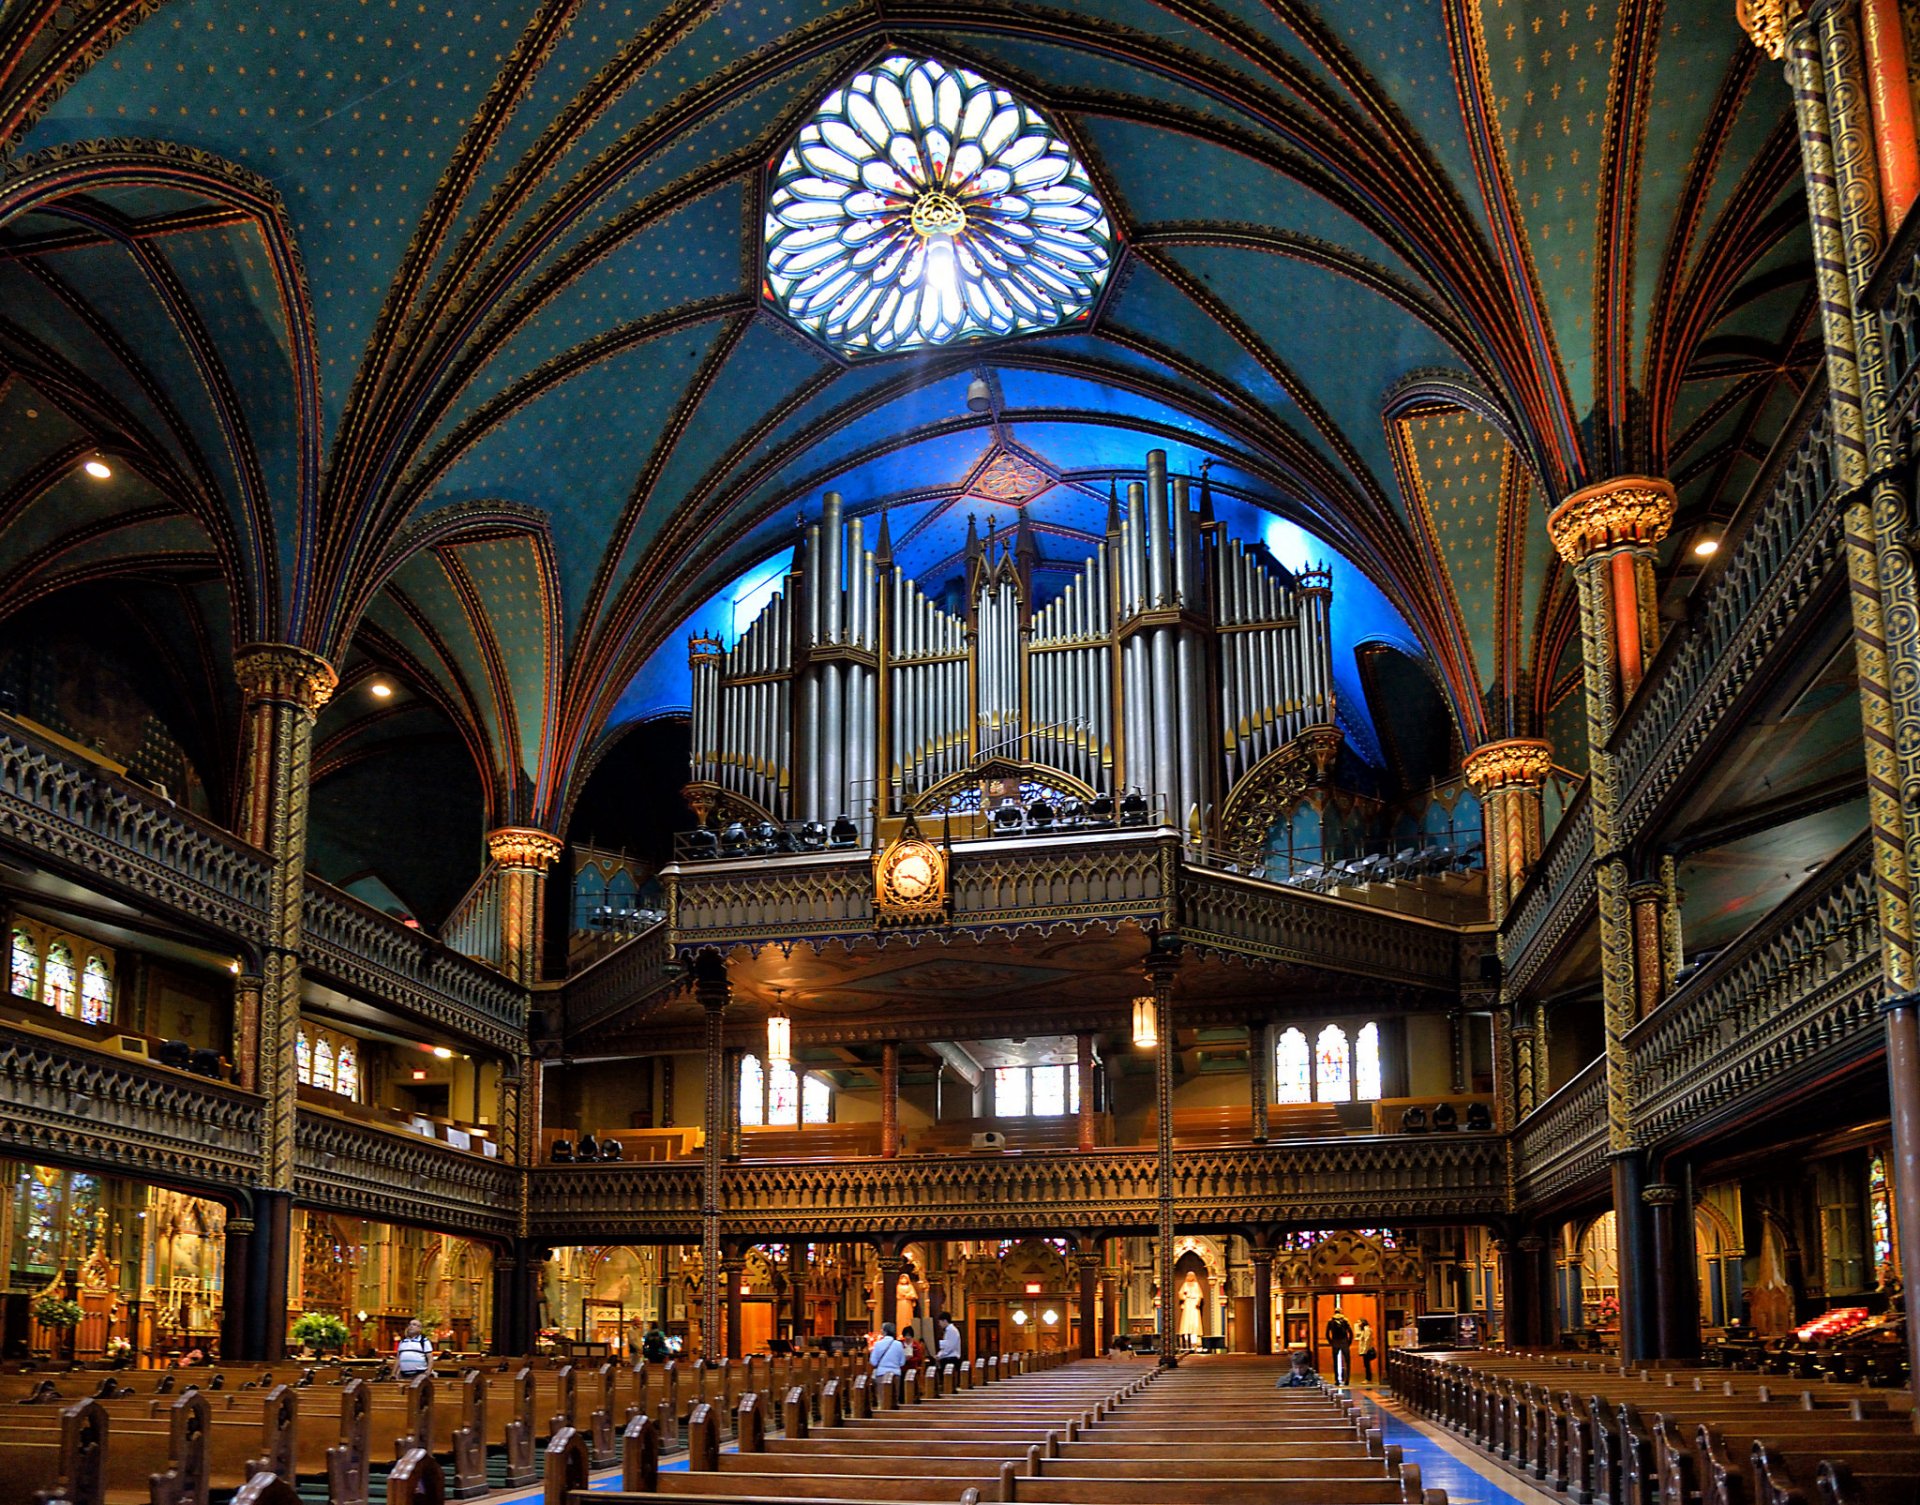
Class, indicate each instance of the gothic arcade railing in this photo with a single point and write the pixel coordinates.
(628, 975)
(1560, 1149)
(137, 845)
(122, 1115)
(1249, 917)
(1406, 1177)
(1782, 545)
(355, 1168)
(1559, 894)
(1798, 992)
(1895, 296)
(372, 953)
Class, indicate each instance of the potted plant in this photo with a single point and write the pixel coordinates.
(119, 1351)
(60, 1315)
(322, 1332)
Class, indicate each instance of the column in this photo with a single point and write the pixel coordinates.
(1513, 1292)
(1893, 130)
(282, 690)
(237, 1312)
(892, 1266)
(1648, 899)
(1677, 1314)
(246, 1029)
(1903, 1081)
(733, 1267)
(712, 990)
(890, 1099)
(733, 1136)
(1262, 1258)
(1259, 1069)
(1163, 961)
(1607, 534)
(1457, 1050)
(1083, 1072)
(1087, 1261)
(522, 854)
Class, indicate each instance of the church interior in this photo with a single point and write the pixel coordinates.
(1166, 688)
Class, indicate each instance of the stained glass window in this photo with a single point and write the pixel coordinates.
(59, 988)
(43, 1218)
(323, 1063)
(816, 1101)
(921, 205)
(1366, 1062)
(783, 1096)
(1047, 1094)
(1009, 1091)
(1292, 1069)
(96, 993)
(753, 1091)
(346, 1071)
(23, 967)
(1880, 1210)
(303, 1057)
(1333, 1075)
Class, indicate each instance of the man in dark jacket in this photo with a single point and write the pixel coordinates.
(1340, 1340)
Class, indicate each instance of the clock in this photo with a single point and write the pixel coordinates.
(910, 878)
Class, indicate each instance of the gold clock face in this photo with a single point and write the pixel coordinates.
(913, 875)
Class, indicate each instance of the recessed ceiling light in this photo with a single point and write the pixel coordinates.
(380, 689)
(443, 1053)
(98, 469)
(1706, 548)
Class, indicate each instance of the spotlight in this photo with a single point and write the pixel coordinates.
(1040, 814)
(1706, 548)
(845, 833)
(978, 398)
(380, 689)
(98, 469)
(443, 1053)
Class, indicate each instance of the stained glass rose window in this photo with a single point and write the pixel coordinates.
(921, 205)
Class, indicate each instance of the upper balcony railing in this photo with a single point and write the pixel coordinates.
(371, 1172)
(123, 1113)
(1560, 1149)
(1437, 1177)
(1558, 895)
(1779, 549)
(634, 972)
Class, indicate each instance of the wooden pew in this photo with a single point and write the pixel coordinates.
(55, 1455)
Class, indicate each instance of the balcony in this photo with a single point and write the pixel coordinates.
(630, 974)
(370, 1171)
(1555, 903)
(67, 1101)
(1435, 1177)
(1560, 1149)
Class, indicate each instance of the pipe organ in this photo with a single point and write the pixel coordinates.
(1176, 662)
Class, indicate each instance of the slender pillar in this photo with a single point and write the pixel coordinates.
(713, 991)
(1510, 777)
(246, 1029)
(730, 1100)
(1677, 1304)
(1163, 961)
(1457, 1050)
(522, 854)
(1513, 1288)
(1109, 1310)
(1538, 1294)
(733, 1266)
(1648, 899)
(890, 1099)
(1903, 1081)
(892, 1267)
(1088, 1263)
(282, 688)
(1607, 534)
(1520, 1038)
(1893, 132)
(236, 1311)
(1083, 1070)
(1262, 1258)
(1259, 1064)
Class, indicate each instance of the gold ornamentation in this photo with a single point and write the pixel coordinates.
(282, 672)
(1522, 761)
(1765, 21)
(524, 847)
(1271, 788)
(909, 879)
(1625, 511)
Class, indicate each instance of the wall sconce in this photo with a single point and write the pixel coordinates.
(1019, 1319)
(1146, 1026)
(1050, 1316)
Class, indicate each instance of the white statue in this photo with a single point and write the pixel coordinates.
(1190, 1325)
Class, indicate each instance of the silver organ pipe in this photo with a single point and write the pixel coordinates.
(1175, 653)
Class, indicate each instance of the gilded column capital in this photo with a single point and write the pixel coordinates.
(1646, 891)
(1766, 23)
(1522, 762)
(524, 847)
(1623, 511)
(1660, 1194)
(282, 672)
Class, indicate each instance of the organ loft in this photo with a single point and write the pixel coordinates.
(1089, 753)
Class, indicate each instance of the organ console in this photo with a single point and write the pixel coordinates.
(1177, 664)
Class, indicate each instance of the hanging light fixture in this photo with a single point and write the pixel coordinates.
(779, 1034)
(1146, 1023)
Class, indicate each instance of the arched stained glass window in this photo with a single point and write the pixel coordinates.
(1292, 1068)
(42, 1240)
(783, 1096)
(60, 993)
(1366, 1062)
(1333, 1066)
(922, 205)
(303, 1057)
(323, 1063)
(96, 992)
(816, 1101)
(753, 1091)
(23, 966)
(346, 1071)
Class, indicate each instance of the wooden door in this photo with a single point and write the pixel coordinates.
(1353, 1305)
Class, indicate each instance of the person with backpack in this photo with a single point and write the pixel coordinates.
(887, 1357)
(413, 1354)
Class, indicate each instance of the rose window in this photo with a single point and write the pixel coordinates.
(921, 205)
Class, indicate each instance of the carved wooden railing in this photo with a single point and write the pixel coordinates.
(370, 1172)
(1438, 1176)
(147, 850)
(122, 1114)
(1783, 546)
(1560, 1149)
(631, 974)
(473, 926)
(1895, 296)
(1797, 993)
(1558, 896)
(1250, 917)
(373, 954)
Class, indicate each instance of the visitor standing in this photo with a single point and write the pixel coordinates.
(887, 1357)
(413, 1355)
(1340, 1340)
(946, 1351)
(1363, 1345)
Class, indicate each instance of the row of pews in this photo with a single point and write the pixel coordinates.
(198, 1437)
(1093, 1432)
(1601, 1435)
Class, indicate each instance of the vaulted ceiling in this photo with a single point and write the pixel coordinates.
(431, 335)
